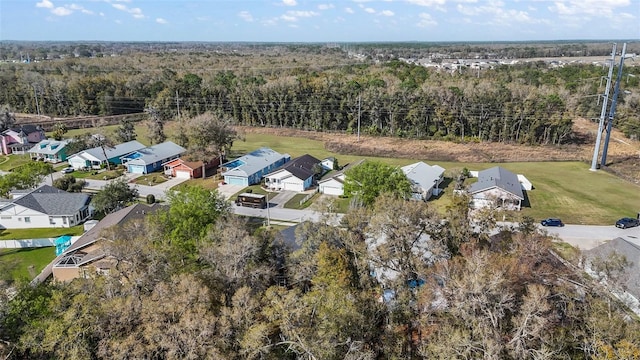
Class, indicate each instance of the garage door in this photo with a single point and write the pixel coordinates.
(136, 169)
(183, 174)
(235, 181)
(329, 190)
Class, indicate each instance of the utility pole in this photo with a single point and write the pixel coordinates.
(178, 103)
(612, 110)
(268, 213)
(35, 95)
(603, 112)
(359, 104)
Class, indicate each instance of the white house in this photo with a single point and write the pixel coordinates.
(295, 175)
(44, 207)
(333, 183)
(499, 187)
(94, 158)
(425, 179)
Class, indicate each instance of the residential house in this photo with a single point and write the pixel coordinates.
(19, 139)
(425, 179)
(629, 277)
(86, 256)
(44, 207)
(298, 174)
(333, 182)
(249, 169)
(499, 187)
(182, 168)
(98, 157)
(50, 150)
(150, 159)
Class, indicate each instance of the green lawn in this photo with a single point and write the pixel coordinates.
(294, 202)
(39, 233)
(561, 189)
(9, 162)
(27, 263)
(150, 179)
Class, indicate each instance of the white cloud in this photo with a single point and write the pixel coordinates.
(61, 11)
(426, 20)
(295, 15)
(427, 3)
(135, 12)
(349, 10)
(596, 8)
(290, 2)
(370, 10)
(45, 4)
(246, 16)
(161, 21)
(387, 13)
(325, 6)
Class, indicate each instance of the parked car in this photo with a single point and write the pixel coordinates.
(67, 170)
(625, 223)
(552, 222)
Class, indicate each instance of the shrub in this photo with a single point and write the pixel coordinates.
(151, 199)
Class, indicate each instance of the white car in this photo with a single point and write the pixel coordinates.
(67, 170)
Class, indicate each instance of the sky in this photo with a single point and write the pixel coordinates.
(319, 20)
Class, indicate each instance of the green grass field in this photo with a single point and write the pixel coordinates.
(39, 233)
(27, 263)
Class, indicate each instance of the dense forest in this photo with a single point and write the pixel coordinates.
(325, 88)
(197, 282)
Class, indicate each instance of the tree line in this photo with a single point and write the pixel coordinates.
(529, 103)
(195, 281)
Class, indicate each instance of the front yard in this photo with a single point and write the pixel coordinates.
(150, 179)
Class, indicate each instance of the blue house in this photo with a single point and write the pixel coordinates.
(249, 169)
(150, 159)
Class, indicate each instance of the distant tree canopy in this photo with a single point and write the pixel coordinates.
(531, 103)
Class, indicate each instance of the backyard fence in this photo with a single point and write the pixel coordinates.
(306, 198)
(31, 243)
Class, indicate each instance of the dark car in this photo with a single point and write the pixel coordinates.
(627, 223)
(551, 222)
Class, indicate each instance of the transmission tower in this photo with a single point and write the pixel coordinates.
(603, 112)
(612, 110)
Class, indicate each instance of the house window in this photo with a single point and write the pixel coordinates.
(27, 219)
(64, 220)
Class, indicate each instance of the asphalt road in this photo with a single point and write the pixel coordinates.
(586, 237)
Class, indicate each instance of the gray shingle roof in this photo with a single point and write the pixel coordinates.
(300, 167)
(137, 211)
(423, 175)
(52, 201)
(253, 162)
(497, 177)
(159, 152)
(631, 251)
